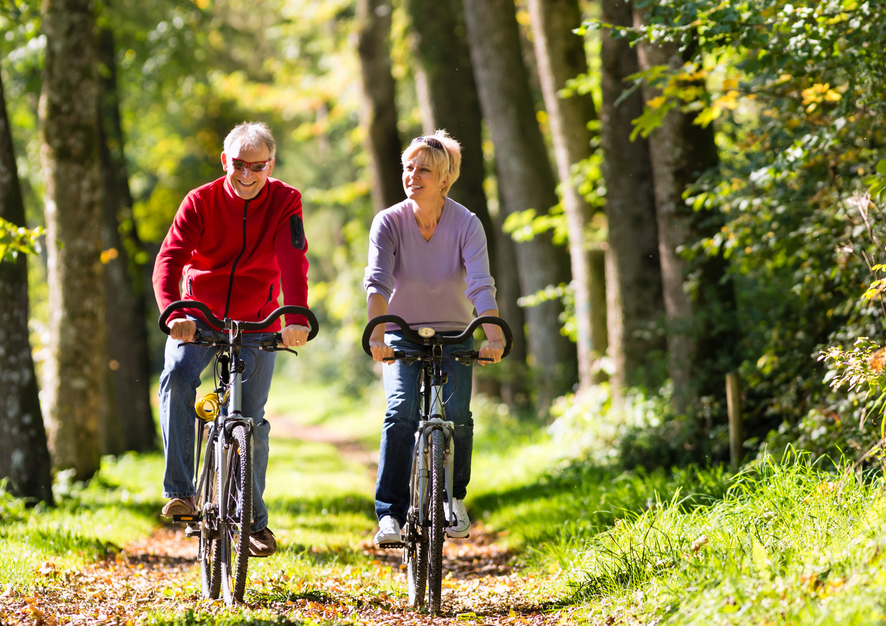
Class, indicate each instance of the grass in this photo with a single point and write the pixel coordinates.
(789, 542)
(115, 508)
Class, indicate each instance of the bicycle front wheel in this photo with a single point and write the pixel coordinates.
(238, 514)
(438, 521)
(210, 554)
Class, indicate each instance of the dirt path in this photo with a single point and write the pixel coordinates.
(149, 574)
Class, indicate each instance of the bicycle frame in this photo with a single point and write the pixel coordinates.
(434, 418)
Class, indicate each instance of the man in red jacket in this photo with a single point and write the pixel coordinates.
(231, 244)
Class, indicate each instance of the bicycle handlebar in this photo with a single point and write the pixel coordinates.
(414, 337)
(212, 319)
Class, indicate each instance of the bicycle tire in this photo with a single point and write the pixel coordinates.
(236, 526)
(438, 521)
(210, 564)
(417, 565)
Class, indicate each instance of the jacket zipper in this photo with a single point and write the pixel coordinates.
(236, 261)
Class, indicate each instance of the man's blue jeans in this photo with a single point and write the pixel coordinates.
(401, 421)
(178, 391)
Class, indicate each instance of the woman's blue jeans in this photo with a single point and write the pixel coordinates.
(178, 391)
(401, 422)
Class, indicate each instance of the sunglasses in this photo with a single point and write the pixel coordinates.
(258, 166)
(434, 143)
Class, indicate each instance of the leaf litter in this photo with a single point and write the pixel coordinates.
(159, 576)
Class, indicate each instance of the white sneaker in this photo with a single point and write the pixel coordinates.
(388, 531)
(461, 526)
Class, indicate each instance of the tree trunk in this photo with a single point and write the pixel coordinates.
(681, 151)
(379, 102)
(599, 322)
(633, 270)
(448, 96)
(525, 181)
(130, 368)
(24, 460)
(561, 56)
(74, 371)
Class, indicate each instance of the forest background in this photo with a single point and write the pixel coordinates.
(672, 192)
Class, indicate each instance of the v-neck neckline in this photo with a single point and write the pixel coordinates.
(417, 228)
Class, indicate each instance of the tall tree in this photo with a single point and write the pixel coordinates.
(633, 269)
(379, 102)
(680, 151)
(129, 361)
(561, 56)
(25, 458)
(74, 372)
(525, 180)
(449, 99)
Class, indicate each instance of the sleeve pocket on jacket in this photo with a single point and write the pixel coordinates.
(297, 229)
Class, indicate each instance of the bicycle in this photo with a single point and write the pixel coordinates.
(224, 482)
(433, 458)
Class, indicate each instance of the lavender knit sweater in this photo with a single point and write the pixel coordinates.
(434, 283)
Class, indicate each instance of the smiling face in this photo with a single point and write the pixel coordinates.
(420, 182)
(246, 183)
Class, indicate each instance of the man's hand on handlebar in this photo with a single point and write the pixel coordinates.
(182, 329)
(294, 335)
(491, 352)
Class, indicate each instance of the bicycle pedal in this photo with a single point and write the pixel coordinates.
(185, 518)
(386, 546)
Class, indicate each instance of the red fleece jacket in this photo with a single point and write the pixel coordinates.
(231, 253)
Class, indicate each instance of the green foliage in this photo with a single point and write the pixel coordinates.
(794, 90)
(15, 240)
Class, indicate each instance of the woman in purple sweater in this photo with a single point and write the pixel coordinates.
(427, 264)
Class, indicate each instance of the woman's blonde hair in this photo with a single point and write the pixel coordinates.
(442, 162)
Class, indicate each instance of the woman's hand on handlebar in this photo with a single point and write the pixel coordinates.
(380, 350)
(182, 329)
(491, 352)
(294, 335)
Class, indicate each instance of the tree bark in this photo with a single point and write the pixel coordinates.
(24, 460)
(74, 372)
(130, 368)
(525, 180)
(561, 56)
(448, 97)
(633, 270)
(379, 101)
(599, 321)
(680, 152)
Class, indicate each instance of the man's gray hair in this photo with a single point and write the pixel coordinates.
(251, 135)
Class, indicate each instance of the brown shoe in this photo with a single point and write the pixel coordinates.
(180, 507)
(262, 543)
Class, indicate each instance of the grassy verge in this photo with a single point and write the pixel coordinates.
(784, 542)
